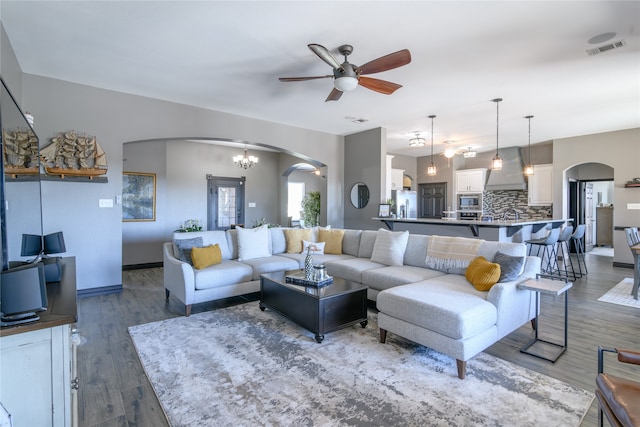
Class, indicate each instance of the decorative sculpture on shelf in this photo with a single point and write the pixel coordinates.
(20, 152)
(73, 154)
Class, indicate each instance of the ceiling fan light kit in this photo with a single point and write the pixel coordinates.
(348, 76)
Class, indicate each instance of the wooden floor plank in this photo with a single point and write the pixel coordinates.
(114, 390)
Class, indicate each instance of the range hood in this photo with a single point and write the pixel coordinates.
(511, 177)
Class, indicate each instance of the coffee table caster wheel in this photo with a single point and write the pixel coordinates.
(364, 324)
(262, 307)
(319, 338)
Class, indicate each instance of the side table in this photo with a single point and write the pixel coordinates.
(541, 285)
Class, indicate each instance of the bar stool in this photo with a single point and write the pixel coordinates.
(633, 238)
(548, 246)
(576, 238)
(564, 252)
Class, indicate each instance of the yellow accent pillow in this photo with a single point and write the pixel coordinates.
(332, 239)
(206, 257)
(294, 238)
(482, 274)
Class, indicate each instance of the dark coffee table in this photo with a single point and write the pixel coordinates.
(317, 309)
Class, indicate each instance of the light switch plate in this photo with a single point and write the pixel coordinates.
(252, 204)
(633, 206)
(105, 203)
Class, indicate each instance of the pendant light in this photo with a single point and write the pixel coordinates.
(496, 162)
(431, 169)
(416, 141)
(528, 169)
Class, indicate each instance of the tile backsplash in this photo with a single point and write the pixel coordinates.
(495, 203)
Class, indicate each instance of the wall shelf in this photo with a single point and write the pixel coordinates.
(45, 177)
(632, 186)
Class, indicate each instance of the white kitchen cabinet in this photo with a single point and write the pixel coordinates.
(397, 175)
(470, 180)
(541, 186)
(38, 385)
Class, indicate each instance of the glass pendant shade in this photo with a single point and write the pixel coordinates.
(345, 83)
(528, 169)
(431, 169)
(496, 162)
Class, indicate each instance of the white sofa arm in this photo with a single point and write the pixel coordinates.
(515, 306)
(179, 277)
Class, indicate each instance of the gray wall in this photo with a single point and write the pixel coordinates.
(410, 167)
(94, 235)
(365, 161)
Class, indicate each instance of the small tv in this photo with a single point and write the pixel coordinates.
(23, 294)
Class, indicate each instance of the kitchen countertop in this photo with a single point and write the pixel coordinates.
(498, 230)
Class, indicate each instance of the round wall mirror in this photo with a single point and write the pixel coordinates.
(359, 195)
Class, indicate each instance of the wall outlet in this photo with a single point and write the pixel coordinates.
(252, 204)
(105, 203)
(633, 206)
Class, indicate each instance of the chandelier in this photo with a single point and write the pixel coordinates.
(416, 141)
(245, 161)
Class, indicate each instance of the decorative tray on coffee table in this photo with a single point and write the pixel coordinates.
(298, 278)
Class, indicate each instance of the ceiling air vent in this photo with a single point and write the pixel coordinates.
(604, 48)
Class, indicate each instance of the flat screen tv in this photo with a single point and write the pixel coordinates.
(23, 294)
(31, 245)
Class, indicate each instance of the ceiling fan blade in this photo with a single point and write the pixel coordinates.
(378, 85)
(324, 54)
(384, 63)
(300, 79)
(334, 95)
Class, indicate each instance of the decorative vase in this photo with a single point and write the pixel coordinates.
(308, 265)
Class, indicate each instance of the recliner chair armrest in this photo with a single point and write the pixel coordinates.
(628, 356)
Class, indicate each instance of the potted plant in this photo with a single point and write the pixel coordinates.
(311, 209)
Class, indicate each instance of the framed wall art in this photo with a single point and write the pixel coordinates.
(384, 211)
(138, 196)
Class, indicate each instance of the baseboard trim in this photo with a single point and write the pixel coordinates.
(141, 266)
(622, 264)
(94, 292)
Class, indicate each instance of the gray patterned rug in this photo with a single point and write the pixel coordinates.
(238, 366)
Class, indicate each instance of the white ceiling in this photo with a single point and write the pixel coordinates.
(227, 56)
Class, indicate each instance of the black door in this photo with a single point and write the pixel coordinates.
(225, 202)
(432, 199)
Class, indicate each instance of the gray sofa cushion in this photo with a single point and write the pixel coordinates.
(351, 269)
(351, 242)
(270, 264)
(224, 274)
(184, 247)
(443, 304)
(317, 259)
(416, 251)
(367, 240)
(388, 277)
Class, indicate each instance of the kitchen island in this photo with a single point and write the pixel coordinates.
(498, 231)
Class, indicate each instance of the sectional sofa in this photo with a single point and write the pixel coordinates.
(432, 304)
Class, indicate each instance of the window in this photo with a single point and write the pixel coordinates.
(294, 204)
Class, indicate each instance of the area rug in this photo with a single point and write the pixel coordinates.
(621, 294)
(240, 366)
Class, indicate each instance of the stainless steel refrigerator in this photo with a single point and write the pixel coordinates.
(406, 203)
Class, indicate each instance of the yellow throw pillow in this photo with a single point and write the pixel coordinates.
(206, 257)
(332, 239)
(294, 238)
(482, 274)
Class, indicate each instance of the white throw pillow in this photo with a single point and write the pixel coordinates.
(389, 247)
(319, 247)
(253, 242)
(316, 229)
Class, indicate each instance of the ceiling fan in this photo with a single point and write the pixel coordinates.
(348, 76)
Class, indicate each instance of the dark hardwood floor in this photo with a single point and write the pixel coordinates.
(114, 391)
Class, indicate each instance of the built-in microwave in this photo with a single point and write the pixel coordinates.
(470, 202)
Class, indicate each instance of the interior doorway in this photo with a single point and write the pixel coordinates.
(225, 202)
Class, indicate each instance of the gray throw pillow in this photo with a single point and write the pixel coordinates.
(510, 266)
(185, 246)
